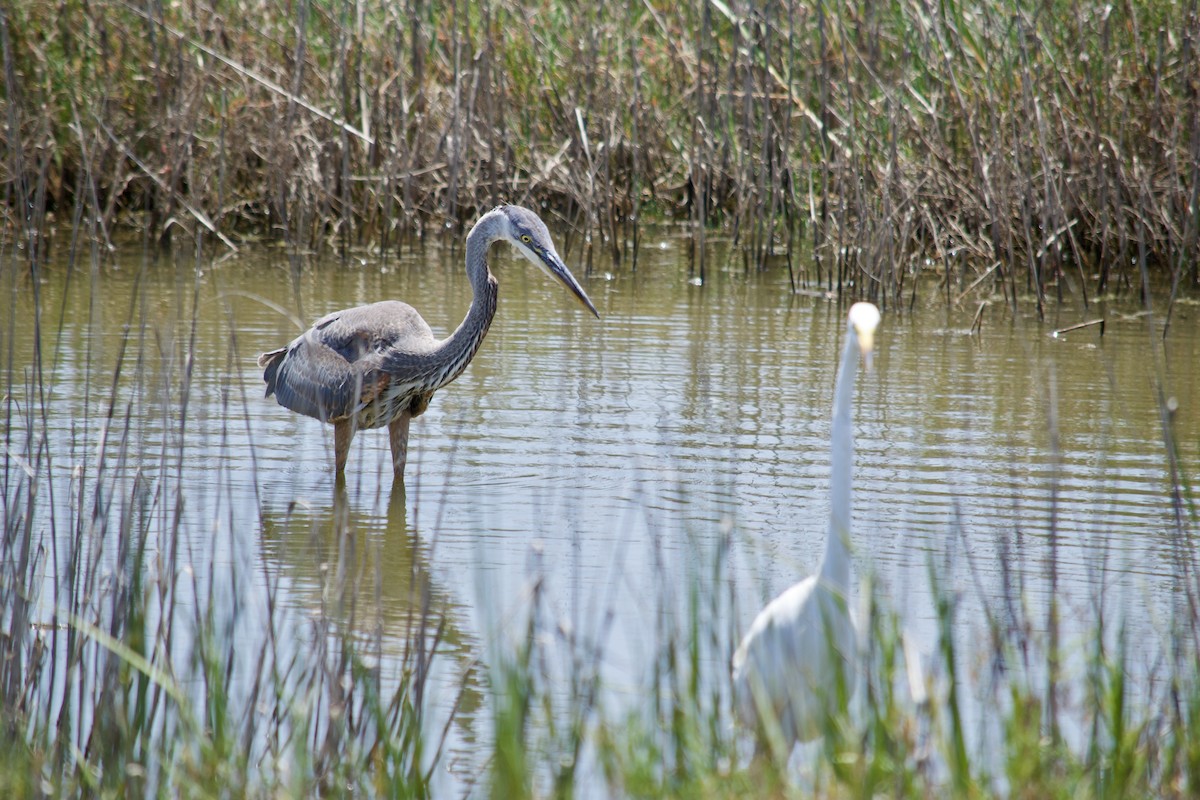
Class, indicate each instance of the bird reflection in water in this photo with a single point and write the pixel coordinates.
(362, 579)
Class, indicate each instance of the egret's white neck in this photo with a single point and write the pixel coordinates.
(835, 564)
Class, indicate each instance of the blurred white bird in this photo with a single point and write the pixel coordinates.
(793, 663)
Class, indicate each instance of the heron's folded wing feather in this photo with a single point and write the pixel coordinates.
(315, 380)
(339, 363)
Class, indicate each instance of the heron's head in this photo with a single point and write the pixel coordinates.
(527, 232)
(864, 319)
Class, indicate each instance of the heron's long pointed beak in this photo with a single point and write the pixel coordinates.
(557, 269)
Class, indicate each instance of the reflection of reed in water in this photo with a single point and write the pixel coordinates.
(364, 580)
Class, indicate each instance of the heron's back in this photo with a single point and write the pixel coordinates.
(370, 362)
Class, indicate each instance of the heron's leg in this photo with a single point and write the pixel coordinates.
(398, 434)
(343, 432)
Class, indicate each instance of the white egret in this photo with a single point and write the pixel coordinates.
(793, 664)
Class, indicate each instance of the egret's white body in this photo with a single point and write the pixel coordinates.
(794, 663)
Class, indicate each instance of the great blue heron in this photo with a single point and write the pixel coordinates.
(793, 661)
(380, 364)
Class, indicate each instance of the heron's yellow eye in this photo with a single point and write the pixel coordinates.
(525, 238)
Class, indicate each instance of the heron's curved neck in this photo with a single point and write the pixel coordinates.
(835, 565)
(459, 348)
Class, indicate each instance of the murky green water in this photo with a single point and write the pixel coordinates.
(607, 458)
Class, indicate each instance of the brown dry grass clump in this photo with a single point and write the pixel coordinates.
(1030, 147)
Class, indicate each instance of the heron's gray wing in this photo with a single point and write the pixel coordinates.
(336, 365)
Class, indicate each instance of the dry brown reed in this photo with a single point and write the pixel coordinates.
(1012, 149)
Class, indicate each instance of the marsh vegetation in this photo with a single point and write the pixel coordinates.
(188, 607)
(1043, 148)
